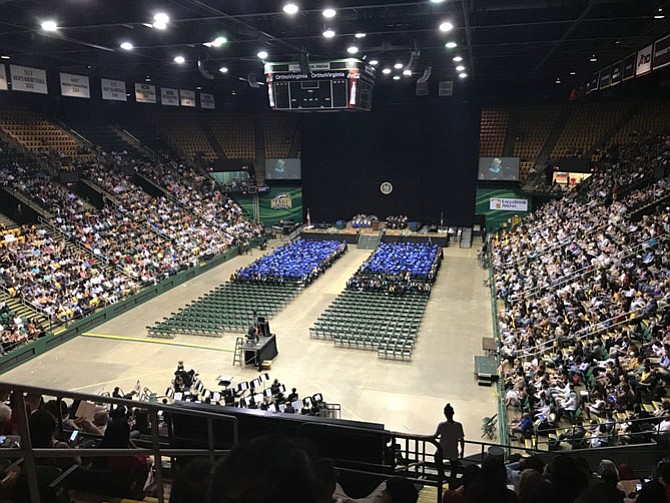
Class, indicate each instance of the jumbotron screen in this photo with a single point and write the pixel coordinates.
(282, 169)
(499, 168)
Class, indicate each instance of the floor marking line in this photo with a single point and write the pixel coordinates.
(165, 342)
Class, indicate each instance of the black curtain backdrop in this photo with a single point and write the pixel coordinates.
(427, 151)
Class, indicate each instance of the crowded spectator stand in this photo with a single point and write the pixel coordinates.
(584, 325)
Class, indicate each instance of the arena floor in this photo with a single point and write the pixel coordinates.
(405, 396)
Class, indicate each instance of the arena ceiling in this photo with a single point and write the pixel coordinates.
(499, 40)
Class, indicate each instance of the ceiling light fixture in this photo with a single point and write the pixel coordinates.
(398, 66)
(329, 12)
(593, 58)
(573, 73)
(180, 60)
(396, 77)
(217, 42)
(329, 33)
(436, 1)
(558, 80)
(352, 49)
(262, 55)
(374, 62)
(408, 72)
(446, 26)
(457, 59)
(659, 14)
(463, 75)
(223, 69)
(386, 71)
(460, 68)
(4, 57)
(126, 46)
(291, 8)
(360, 35)
(451, 45)
(198, 87)
(161, 20)
(49, 25)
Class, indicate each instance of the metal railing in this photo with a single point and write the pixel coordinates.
(30, 455)
(503, 434)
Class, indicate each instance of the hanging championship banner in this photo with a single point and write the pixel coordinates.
(3, 78)
(643, 61)
(74, 86)
(615, 77)
(169, 97)
(187, 98)
(605, 77)
(207, 101)
(145, 93)
(114, 90)
(661, 52)
(30, 80)
(629, 67)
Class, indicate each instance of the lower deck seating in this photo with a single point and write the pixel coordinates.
(373, 320)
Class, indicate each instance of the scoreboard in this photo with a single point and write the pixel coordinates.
(344, 84)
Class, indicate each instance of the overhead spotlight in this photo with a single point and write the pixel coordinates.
(593, 58)
(49, 25)
(161, 20)
(659, 14)
(262, 55)
(463, 75)
(329, 12)
(360, 35)
(352, 49)
(451, 45)
(126, 46)
(436, 1)
(408, 72)
(180, 60)
(223, 69)
(386, 71)
(147, 79)
(219, 41)
(446, 26)
(396, 77)
(457, 59)
(198, 88)
(397, 66)
(4, 57)
(558, 80)
(329, 33)
(573, 73)
(291, 8)
(460, 68)
(373, 62)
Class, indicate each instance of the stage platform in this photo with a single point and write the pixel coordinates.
(350, 234)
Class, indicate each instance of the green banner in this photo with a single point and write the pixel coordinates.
(488, 200)
(281, 203)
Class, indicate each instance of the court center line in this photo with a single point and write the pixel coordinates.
(166, 342)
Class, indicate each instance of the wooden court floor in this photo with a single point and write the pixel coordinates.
(405, 396)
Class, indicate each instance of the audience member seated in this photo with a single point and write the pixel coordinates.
(297, 262)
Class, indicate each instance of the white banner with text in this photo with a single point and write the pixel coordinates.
(30, 80)
(114, 90)
(74, 86)
(504, 204)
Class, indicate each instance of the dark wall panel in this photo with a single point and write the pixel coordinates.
(428, 152)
